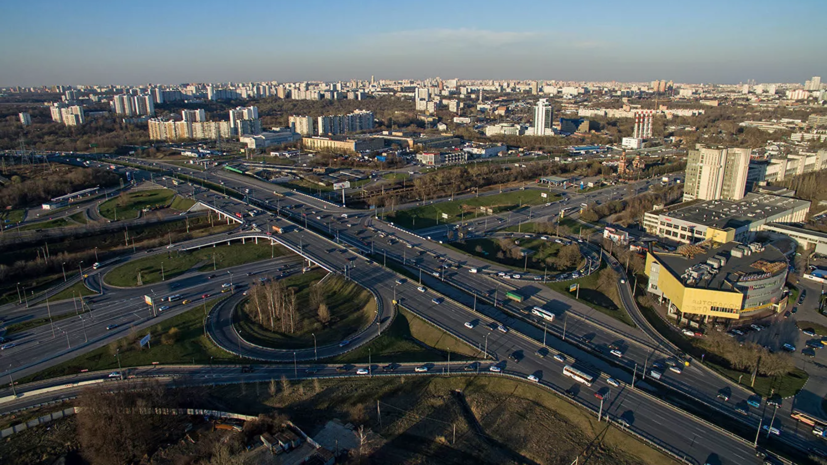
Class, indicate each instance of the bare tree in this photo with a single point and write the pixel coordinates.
(324, 314)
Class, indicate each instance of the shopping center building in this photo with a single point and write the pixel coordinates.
(730, 281)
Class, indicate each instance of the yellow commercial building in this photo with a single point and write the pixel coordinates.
(731, 281)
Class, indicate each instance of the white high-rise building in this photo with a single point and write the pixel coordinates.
(813, 84)
(25, 119)
(543, 118)
(238, 117)
(716, 173)
(143, 105)
(303, 125)
(194, 116)
(123, 105)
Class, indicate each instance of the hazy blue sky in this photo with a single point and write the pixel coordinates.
(174, 41)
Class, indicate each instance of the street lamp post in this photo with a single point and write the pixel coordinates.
(120, 370)
(96, 254)
(19, 298)
(80, 269)
(485, 351)
(162, 272)
(295, 366)
(544, 334)
(63, 269)
(315, 353)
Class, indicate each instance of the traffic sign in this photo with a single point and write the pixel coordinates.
(145, 340)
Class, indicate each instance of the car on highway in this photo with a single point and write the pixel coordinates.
(676, 369)
(8, 346)
(400, 281)
(437, 300)
(775, 401)
(343, 368)
(362, 371)
(612, 382)
(471, 366)
(723, 396)
(421, 289)
(495, 369)
(344, 343)
(163, 308)
(112, 326)
(421, 369)
(472, 270)
(533, 378)
(517, 355)
(226, 285)
(501, 274)
(560, 358)
(204, 296)
(469, 324)
(616, 353)
(502, 328)
(390, 367)
(742, 410)
(788, 347)
(776, 430)
(311, 370)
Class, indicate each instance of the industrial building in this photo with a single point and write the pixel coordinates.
(732, 281)
(724, 220)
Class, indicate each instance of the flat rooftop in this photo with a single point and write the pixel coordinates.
(734, 268)
(722, 214)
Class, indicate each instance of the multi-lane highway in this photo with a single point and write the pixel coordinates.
(589, 335)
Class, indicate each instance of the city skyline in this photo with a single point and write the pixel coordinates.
(60, 43)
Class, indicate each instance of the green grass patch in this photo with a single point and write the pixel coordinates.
(128, 205)
(11, 217)
(181, 204)
(55, 223)
(79, 218)
(178, 263)
(187, 345)
(30, 288)
(575, 227)
(592, 297)
(21, 326)
(351, 308)
(819, 329)
(488, 249)
(410, 339)
(72, 291)
(429, 215)
(396, 176)
(785, 386)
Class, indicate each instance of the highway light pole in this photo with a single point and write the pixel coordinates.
(19, 298)
(370, 372)
(80, 269)
(118, 356)
(565, 321)
(544, 333)
(163, 278)
(600, 413)
(485, 351)
(295, 366)
(11, 380)
(772, 421)
(315, 353)
(63, 269)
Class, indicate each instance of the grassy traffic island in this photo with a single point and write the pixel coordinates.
(536, 254)
(177, 263)
(128, 205)
(599, 291)
(285, 314)
(431, 215)
(181, 340)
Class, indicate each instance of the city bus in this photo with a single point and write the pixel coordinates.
(173, 298)
(577, 375)
(542, 313)
(514, 296)
(806, 418)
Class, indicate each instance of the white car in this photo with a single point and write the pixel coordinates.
(421, 289)
(469, 325)
(612, 382)
(114, 374)
(362, 371)
(675, 369)
(622, 281)
(560, 358)
(399, 281)
(516, 276)
(472, 270)
(688, 333)
(616, 353)
(501, 274)
(545, 238)
(502, 328)
(163, 308)
(495, 369)
(533, 378)
(421, 369)
(756, 327)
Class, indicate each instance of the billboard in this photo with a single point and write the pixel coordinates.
(341, 185)
(573, 288)
(148, 300)
(145, 340)
(445, 216)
